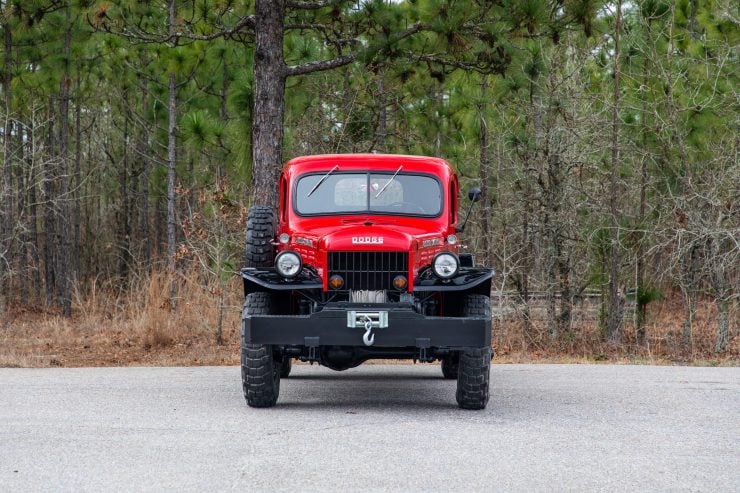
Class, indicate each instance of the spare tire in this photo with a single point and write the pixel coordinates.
(261, 227)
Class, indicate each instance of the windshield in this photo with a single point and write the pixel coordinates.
(379, 193)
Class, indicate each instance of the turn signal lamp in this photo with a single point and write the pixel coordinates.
(336, 281)
(400, 282)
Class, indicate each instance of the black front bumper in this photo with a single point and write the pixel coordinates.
(329, 327)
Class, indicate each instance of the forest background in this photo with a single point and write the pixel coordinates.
(137, 133)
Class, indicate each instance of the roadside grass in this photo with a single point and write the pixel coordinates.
(585, 342)
(137, 326)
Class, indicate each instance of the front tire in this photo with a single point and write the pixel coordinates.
(473, 378)
(260, 369)
(474, 370)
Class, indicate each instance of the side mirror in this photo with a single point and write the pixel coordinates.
(474, 194)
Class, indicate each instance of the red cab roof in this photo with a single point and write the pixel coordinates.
(384, 162)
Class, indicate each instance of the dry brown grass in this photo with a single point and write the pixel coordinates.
(585, 342)
(138, 326)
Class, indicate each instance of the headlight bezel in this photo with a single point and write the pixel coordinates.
(444, 255)
(285, 254)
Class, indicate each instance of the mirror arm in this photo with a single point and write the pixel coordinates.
(461, 229)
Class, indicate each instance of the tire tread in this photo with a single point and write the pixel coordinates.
(261, 227)
(474, 369)
(260, 371)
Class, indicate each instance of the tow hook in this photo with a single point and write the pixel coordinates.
(367, 321)
(369, 337)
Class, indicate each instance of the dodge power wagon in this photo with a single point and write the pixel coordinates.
(361, 261)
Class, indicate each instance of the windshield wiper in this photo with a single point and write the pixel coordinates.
(322, 180)
(389, 181)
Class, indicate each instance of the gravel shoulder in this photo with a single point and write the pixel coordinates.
(376, 428)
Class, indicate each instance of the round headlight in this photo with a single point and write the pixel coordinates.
(288, 264)
(445, 265)
(284, 238)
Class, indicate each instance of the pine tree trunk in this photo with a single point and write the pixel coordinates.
(22, 260)
(160, 226)
(614, 319)
(485, 169)
(552, 190)
(690, 266)
(720, 282)
(6, 187)
(171, 163)
(220, 322)
(269, 102)
(439, 98)
(537, 165)
(77, 215)
(92, 215)
(526, 252)
(48, 179)
(382, 111)
(552, 315)
(35, 247)
(65, 252)
(723, 325)
(171, 170)
(345, 138)
(224, 115)
(143, 156)
(223, 112)
(534, 122)
(565, 319)
(692, 19)
(550, 240)
(124, 222)
(641, 308)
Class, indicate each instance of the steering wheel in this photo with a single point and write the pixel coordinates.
(409, 206)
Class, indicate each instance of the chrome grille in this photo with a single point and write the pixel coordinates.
(368, 270)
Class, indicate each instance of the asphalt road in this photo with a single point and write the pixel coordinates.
(374, 428)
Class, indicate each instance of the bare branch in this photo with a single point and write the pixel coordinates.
(477, 67)
(340, 61)
(139, 36)
(319, 66)
(304, 5)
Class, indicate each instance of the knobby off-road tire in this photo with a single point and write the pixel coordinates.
(450, 365)
(260, 370)
(261, 227)
(473, 376)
